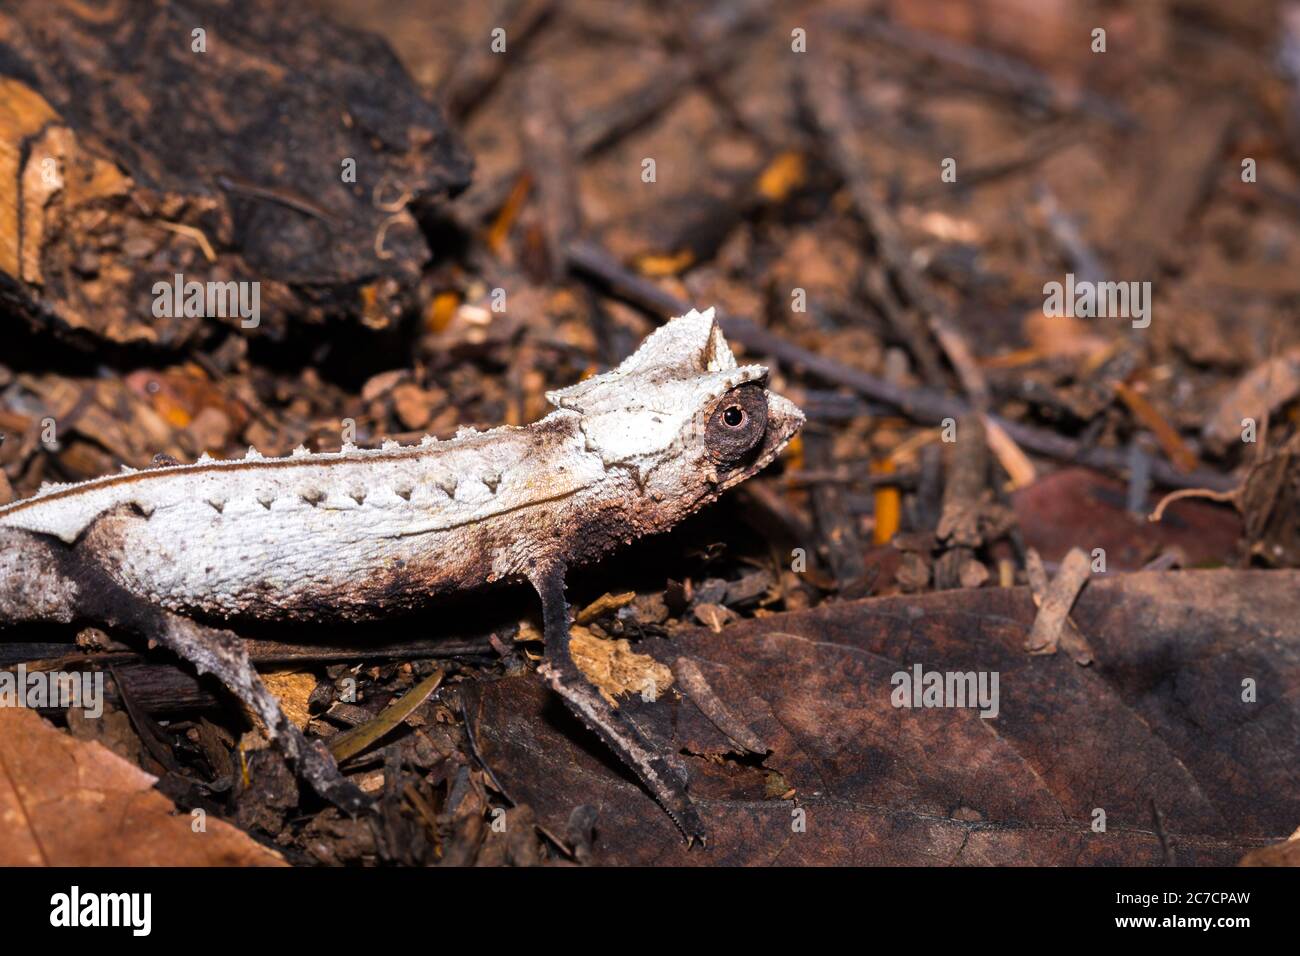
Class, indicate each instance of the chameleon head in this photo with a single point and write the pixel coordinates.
(681, 415)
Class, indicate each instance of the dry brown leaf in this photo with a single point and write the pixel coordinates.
(65, 802)
(1157, 720)
(1286, 853)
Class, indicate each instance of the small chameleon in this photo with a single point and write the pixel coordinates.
(178, 552)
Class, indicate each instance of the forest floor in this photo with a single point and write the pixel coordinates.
(877, 199)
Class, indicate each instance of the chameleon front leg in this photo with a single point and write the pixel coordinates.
(609, 724)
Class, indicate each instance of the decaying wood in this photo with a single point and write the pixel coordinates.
(127, 158)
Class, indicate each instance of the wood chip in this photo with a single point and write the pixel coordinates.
(603, 605)
(291, 688)
(615, 669)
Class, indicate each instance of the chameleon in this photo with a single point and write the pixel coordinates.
(181, 553)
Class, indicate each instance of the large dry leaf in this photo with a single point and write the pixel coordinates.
(1155, 730)
(65, 802)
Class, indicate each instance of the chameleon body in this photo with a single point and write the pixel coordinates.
(352, 535)
(361, 534)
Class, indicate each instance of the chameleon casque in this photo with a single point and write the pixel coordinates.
(178, 553)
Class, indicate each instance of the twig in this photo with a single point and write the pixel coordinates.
(1047, 141)
(841, 476)
(828, 103)
(145, 727)
(967, 480)
(480, 68)
(997, 71)
(1166, 844)
(474, 752)
(695, 686)
(1079, 255)
(770, 514)
(548, 149)
(279, 196)
(1053, 626)
(1167, 500)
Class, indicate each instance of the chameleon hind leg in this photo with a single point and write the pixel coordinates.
(222, 654)
(614, 728)
(44, 580)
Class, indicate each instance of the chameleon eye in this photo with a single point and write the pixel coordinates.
(736, 424)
